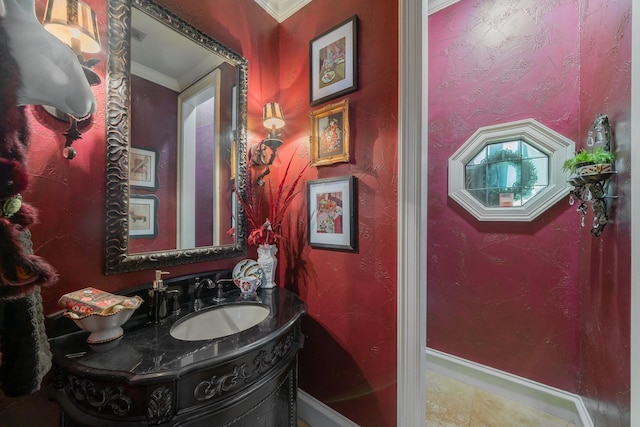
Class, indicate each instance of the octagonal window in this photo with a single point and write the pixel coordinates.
(510, 172)
(507, 174)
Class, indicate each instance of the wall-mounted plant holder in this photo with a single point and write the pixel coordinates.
(590, 174)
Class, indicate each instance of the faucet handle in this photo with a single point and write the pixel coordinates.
(220, 296)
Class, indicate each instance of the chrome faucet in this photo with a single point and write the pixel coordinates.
(197, 290)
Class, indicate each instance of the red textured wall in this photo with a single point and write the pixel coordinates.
(349, 359)
(604, 264)
(546, 300)
(148, 102)
(503, 294)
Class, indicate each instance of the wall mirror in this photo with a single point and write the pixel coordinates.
(176, 141)
(510, 172)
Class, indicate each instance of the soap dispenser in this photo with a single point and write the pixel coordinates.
(157, 299)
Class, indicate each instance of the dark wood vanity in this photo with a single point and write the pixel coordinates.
(147, 377)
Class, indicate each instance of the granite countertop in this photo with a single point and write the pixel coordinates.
(148, 351)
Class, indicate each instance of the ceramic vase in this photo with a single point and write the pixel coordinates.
(268, 262)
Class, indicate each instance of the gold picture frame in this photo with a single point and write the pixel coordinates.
(329, 138)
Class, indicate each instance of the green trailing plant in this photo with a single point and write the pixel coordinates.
(599, 156)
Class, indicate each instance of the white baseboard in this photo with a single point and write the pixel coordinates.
(559, 403)
(317, 414)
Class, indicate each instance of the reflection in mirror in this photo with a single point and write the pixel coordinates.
(185, 144)
(507, 174)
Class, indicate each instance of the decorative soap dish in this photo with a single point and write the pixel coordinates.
(106, 327)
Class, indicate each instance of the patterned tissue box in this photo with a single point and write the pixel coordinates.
(91, 301)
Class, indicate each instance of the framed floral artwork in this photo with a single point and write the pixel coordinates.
(333, 58)
(332, 213)
(143, 216)
(329, 138)
(143, 165)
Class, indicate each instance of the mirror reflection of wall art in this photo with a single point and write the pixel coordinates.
(143, 166)
(333, 60)
(143, 216)
(330, 134)
(332, 213)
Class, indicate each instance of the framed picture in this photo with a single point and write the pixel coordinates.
(333, 60)
(332, 213)
(330, 134)
(143, 165)
(143, 216)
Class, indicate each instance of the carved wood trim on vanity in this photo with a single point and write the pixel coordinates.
(160, 406)
(215, 384)
(97, 397)
(179, 396)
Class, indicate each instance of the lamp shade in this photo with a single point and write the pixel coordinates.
(272, 115)
(73, 22)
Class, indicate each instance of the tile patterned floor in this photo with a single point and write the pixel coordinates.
(451, 403)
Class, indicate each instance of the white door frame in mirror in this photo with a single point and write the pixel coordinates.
(557, 147)
(206, 89)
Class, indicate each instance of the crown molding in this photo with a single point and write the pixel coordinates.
(282, 9)
(438, 5)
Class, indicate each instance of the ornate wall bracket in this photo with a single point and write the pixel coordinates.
(595, 194)
(592, 187)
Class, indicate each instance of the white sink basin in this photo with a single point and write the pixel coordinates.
(219, 322)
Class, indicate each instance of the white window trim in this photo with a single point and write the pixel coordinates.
(556, 146)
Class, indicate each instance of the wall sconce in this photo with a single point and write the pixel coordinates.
(264, 154)
(75, 24)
